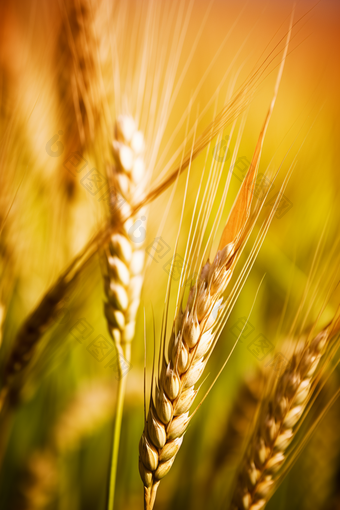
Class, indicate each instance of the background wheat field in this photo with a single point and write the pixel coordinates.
(69, 68)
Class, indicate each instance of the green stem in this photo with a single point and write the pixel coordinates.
(116, 440)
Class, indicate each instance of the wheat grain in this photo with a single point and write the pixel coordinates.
(275, 426)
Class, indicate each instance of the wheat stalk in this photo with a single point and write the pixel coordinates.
(277, 420)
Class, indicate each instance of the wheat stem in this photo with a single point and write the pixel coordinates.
(116, 441)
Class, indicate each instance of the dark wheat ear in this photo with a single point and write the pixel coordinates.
(84, 69)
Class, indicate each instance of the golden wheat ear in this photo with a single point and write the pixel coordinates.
(194, 334)
(125, 253)
(278, 419)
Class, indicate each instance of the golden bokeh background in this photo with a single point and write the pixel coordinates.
(44, 230)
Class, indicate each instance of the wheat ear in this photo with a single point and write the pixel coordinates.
(190, 342)
(84, 77)
(276, 424)
(125, 256)
(27, 339)
(317, 467)
(194, 334)
(83, 60)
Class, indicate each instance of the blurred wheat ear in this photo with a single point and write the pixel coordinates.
(84, 70)
(313, 478)
(277, 421)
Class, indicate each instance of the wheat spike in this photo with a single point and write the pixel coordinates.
(125, 256)
(276, 424)
(28, 338)
(84, 64)
(84, 60)
(189, 345)
(194, 334)
(313, 478)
